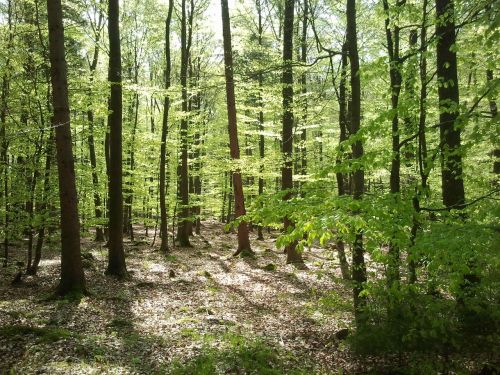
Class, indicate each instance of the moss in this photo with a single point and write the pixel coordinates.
(44, 334)
(270, 267)
(120, 323)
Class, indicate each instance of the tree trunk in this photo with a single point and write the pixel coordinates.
(72, 276)
(494, 114)
(260, 235)
(358, 261)
(293, 256)
(183, 227)
(99, 234)
(164, 134)
(450, 130)
(116, 254)
(341, 180)
(303, 82)
(392, 37)
(4, 144)
(43, 207)
(422, 147)
(239, 198)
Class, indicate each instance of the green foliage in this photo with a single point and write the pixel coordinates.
(43, 334)
(237, 354)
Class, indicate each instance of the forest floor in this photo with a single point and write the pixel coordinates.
(198, 310)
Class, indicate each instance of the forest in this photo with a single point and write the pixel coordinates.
(249, 187)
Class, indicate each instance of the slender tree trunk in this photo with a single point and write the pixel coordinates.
(116, 254)
(230, 211)
(450, 130)
(72, 276)
(129, 200)
(224, 198)
(239, 198)
(422, 147)
(183, 226)
(90, 140)
(494, 114)
(341, 180)
(164, 134)
(303, 82)
(196, 178)
(358, 261)
(4, 159)
(260, 235)
(43, 207)
(293, 256)
(392, 37)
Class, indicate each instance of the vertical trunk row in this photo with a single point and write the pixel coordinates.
(116, 254)
(494, 113)
(197, 143)
(293, 256)
(303, 82)
(392, 37)
(90, 140)
(341, 178)
(183, 226)
(358, 261)
(422, 145)
(449, 128)
(72, 276)
(3, 136)
(239, 199)
(164, 133)
(260, 235)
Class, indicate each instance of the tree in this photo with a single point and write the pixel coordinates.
(293, 255)
(116, 253)
(164, 133)
(183, 228)
(4, 145)
(99, 235)
(72, 276)
(448, 93)
(303, 82)
(395, 76)
(358, 261)
(239, 198)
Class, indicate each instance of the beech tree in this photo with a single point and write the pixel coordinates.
(183, 228)
(358, 261)
(164, 134)
(116, 253)
(72, 276)
(292, 255)
(239, 198)
(449, 124)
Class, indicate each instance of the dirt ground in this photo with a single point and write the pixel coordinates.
(196, 310)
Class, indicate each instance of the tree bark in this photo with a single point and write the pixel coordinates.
(72, 276)
(422, 147)
(239, 198)
(341, 178)
(303, 82)
(392, 37)
(4, 144)
(450, 130)
(183, 226)
(116, 253)
(164, 134)
(293, 256)
(358, 261)
(99, 234)
(494, 114)
(260, 235)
